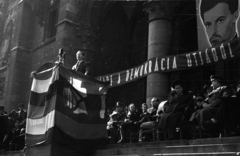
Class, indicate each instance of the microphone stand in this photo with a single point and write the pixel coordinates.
(61, 57)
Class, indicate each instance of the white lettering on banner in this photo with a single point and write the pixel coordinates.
(119, 78)
(131, 75)
(207, 57)
(223, 53)
(230, 50)
(156, 65)
(168, 63)
(136, 72)
(162, 68)
(195, 58)
(150, 67)
(200, 55)
(141, 71)
(107, 78)
(174, 63)
(215, 58)
(189, 61)
(127, 75)
(111, 80)
(145, 68)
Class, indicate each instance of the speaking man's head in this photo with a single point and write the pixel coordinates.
(219, 18)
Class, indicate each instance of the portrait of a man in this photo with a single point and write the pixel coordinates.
(219, 18)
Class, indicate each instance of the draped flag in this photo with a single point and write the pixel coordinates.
(67, 107)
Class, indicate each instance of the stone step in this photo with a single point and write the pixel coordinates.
(187, 154)
(145, 144)
(215, 141)
(208, 148)
(173, 143)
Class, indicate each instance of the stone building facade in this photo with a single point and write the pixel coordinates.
(115, 35)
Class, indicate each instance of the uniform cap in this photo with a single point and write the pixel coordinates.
(177, 82)
(216, 77)
(120, 104)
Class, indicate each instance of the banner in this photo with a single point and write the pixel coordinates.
(217, 22)
(227, 51)
(67, 107)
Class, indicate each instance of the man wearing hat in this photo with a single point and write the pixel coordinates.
(213, 101)
(227, 116)
(117, 116)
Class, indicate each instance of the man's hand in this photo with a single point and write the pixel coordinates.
(205, 105)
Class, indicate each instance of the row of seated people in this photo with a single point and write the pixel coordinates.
(212, 112)
(12, 129)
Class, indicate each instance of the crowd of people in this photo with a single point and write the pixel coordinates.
(214, 110)
(12, 128)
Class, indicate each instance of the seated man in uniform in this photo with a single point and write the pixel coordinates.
(117, 116)
(227, 116)
(213, 102)
(130, 124)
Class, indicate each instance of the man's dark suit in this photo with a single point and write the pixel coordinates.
(83, 67)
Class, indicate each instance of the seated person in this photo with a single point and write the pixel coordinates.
(227, 116)
(152, 117)
(117, 116)
(144, 116)
(212, 103)
(174, 109)
(198, 106)
(130, 123)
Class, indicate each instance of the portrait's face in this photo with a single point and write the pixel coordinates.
(220, 24)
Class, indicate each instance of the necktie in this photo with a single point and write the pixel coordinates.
(78, 64)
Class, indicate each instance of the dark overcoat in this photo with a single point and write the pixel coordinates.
(214, 101)
(174, 110)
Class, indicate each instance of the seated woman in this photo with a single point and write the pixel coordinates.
(116, 118)
(179, 99)
(130, 123)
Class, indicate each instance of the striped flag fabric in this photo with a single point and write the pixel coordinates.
(67, 107)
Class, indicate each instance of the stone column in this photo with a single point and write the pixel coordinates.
(159, 41)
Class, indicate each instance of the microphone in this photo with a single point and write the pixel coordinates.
(61, 56)
(60, 51)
